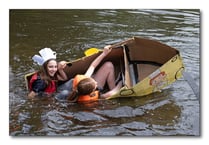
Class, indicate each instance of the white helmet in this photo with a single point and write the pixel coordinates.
(46, 54)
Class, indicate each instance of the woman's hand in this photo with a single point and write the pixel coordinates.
(97, 61)
(61, 65)
(62, 75)
(107, 50)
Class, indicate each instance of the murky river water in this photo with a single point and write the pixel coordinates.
(173, 112)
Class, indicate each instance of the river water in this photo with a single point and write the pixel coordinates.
(173, 112)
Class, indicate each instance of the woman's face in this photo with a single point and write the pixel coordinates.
(52, 67)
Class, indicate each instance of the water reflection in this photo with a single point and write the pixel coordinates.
(70, 32)
(135, 116)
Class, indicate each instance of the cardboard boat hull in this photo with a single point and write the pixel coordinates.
(147, 66)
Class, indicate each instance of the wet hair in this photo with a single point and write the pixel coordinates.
(86, 86)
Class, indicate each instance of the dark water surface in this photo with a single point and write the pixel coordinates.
(173, 112)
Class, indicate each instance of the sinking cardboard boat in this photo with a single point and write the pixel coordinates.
(147, 66)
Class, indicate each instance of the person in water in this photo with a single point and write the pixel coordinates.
(44, 81)
(88, 86)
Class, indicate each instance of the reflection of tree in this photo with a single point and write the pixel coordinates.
(167, 114)
(47, 117)
(158, 108)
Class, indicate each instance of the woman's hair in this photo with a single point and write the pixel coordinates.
(44, 73)
(84, 87)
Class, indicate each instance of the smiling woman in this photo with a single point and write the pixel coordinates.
(43, 82)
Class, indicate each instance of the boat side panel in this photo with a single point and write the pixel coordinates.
(144, 70)
(141, 49)
(157, 80)
(81, 65)
(160, 78)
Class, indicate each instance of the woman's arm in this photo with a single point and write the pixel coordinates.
(61, 74)
(97, 61)
(38, 86)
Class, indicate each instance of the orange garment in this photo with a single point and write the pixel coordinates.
(90, 97)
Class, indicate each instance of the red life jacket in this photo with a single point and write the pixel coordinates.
(90, 97)
(51, 88)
